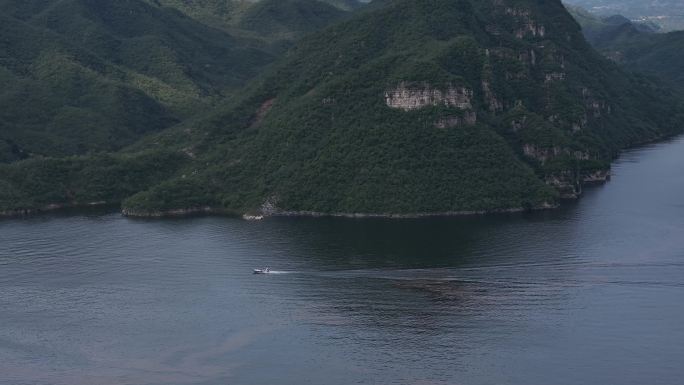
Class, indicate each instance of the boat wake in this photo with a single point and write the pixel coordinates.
(270, 272)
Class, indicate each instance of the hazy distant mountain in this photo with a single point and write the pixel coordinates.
(636, 46)
(602, 31)
(668, 14)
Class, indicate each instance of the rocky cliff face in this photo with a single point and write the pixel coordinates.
(407, 96)
(527, 25)
(469, 118)
(569, 184)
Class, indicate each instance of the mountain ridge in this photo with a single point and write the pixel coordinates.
(80, 76)
(471, 107)
(172, 65)
(316, 193)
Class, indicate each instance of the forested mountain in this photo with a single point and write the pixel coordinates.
(79, 76)
(287, 17)
(607, 30)
(660, 55)
(85, 75)
(284, 18)
(414, 106)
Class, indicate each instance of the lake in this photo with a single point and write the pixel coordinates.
(592, 293)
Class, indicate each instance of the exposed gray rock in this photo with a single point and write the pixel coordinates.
(409, 97)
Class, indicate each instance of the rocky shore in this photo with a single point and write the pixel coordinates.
(285, 213)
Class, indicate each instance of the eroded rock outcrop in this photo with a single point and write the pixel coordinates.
(527, 24)
(554, 77)
(565, 182)
(468, 119)
(495, 105)
(262, 111)
(596, 107)
(597, 177)
(407, 96)
(541, 154)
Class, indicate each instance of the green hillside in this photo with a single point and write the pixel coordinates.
(415, 106)
(290, 18)
(218, 13)
(286, 19)
(83, 75)
(318, 135)
(660, 55)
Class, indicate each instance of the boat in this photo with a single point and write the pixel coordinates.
(262, 271)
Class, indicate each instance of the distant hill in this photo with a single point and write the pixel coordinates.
(636, 46)
(668, 15)
(288, 17)
(86, 75)
(660, 55)
(605, 31)
(80, 76)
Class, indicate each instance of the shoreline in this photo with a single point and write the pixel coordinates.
(254, 216)
(251, 215)
(53, 207)
(444, 214)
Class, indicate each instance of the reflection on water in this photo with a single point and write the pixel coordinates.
(587, 294)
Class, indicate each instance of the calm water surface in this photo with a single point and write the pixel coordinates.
(592, 293)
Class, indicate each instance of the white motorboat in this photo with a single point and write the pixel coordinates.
(262, 271)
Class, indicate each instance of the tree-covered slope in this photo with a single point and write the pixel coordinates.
(84, 75)
(424, 107)
(286, 19)
(289, 17)
(413, 106)
(660, 55)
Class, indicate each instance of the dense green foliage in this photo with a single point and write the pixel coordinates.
(315, 132)
(222, 14)
(96, 179)
(285, 18)
(54, 103)
(84, 75)
(289, 17)
(331, 144)
(660, 55)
